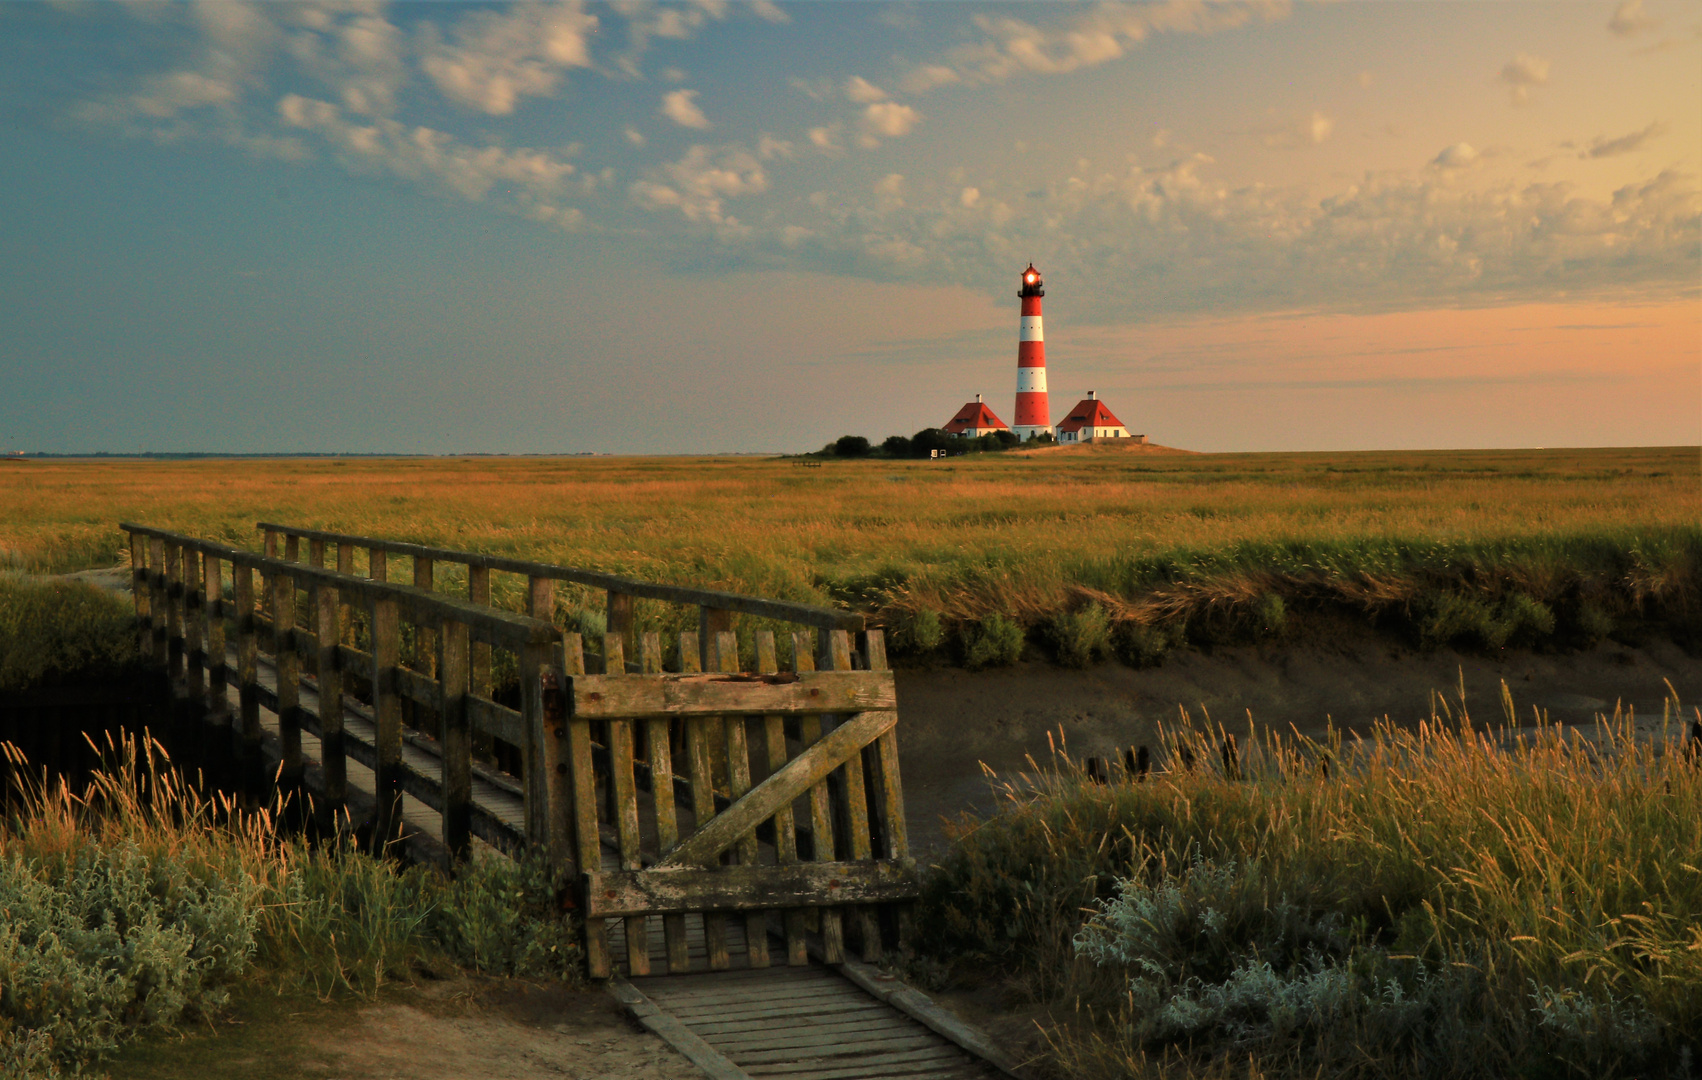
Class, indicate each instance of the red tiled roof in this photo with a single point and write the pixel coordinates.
(973, 415)
(1089, 412)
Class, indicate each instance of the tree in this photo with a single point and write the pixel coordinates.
(851, 446)
(930, 439)
(896, 446)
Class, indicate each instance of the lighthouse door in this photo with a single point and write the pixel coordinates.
(719, 814)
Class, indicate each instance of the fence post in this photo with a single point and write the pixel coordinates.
(218, 673)
(711, 622)
(618, 624)
(159, 624)
(287, 664)
(328, 606)
(140, 591)
(247, 674)
(557, 755)
(479, 660)
(425, 636)
(377, 563)
(346, 567)
(174, 609)
(541, 598)
(533, 659)
(387, 724)
(194, 659)
(455, 740)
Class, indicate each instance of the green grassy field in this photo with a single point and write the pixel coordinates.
(1095, 550)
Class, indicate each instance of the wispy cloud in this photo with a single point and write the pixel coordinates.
(1522, 73)
(1629, 19)
(490, 60)
(681, 107)
(1602, 146)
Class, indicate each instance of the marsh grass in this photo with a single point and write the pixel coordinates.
(1448, 901)
(1469, 548)
(52, 631)
(136, 905)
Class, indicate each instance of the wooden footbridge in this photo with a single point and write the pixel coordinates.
(736, 829)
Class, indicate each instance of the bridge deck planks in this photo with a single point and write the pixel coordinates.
(807, 1023)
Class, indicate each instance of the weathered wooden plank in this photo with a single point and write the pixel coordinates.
(626, 827)
(288, 667)
(558, 766)
(497, 720)
(332, 761)
(173, 565)
(139, 590)
(789, 782)
(479, 665)
(775, 755)
(160, 618)
(711, 622)
(194, 656)
(588, 841)
(218, 672)
(745, 888)
(618, 622)
(821, 811)
(346, 612)
(534, 659)
(413, 686)
(387, 723)
(733, 694)
(455, 739)
(659, 746)
(714, 1065)
(247, 662)
(425, 632)
(919, 1007)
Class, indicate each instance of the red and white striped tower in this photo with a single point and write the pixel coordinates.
(1031, 412)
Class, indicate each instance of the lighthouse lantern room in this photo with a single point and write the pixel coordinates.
(1031, 409)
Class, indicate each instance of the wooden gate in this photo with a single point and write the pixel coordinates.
(721, 808)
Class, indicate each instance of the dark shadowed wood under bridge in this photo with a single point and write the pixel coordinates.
(736, 830)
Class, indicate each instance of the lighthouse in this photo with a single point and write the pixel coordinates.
(1031, 412)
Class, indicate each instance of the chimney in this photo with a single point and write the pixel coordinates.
(1093, 395)
(977, 399)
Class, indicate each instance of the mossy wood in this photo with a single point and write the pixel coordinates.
(671, 796)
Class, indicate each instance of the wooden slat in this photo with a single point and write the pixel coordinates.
(729, 694)
(821, 811)
(194, 657)
(346, 611)
(558, 766)
(738, 784)
(498, 720)
(745, 888)
(712, 621)
(479, 664)
(853, 793)
(535, 659)
(173, 564)
(659, 746)
(788, 783)
(588, 842)
(218, 673)
(625, 798)
(247, 664)
(775, 755)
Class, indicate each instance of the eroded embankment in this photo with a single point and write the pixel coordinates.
(954, 720)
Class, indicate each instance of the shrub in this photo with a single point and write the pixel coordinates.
(896, 446)
(851, 446)
(927, 440)
(995, 642)
(1140, 645)
(54, 631)
(918, 632)
(1082, 637)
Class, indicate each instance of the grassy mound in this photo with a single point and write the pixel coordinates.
(138, 905)
(53, 631)
(1437, 903)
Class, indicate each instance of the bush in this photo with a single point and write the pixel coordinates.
(896, 446)
(851, 446)
(996, 642)
(1140, 645)
(1082, 637)
(924, 442)
(918, 632)
(54, 631)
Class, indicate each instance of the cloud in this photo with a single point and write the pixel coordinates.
(768, 11)
(862, 91)
(1309, 131)
(496, 58)
(1602, 146)
(825, 138)
(698, 183)
(1459, 156)
(166, 95)
(358, 54)
(885, 120)
(1009, 46)
(532, 181)
(635, 137)
(680, 106)
(1523, 72)
(1629, 19)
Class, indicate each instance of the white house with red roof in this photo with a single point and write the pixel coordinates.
(974, 419)
(1091, 420)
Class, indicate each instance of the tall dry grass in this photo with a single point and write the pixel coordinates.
(1442, 543)
(137, 904)
(1449, 901)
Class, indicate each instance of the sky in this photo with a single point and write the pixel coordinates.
(724, 227)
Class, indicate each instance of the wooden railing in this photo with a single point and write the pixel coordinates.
(597, 743)
(179, 585)
(715, 609)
